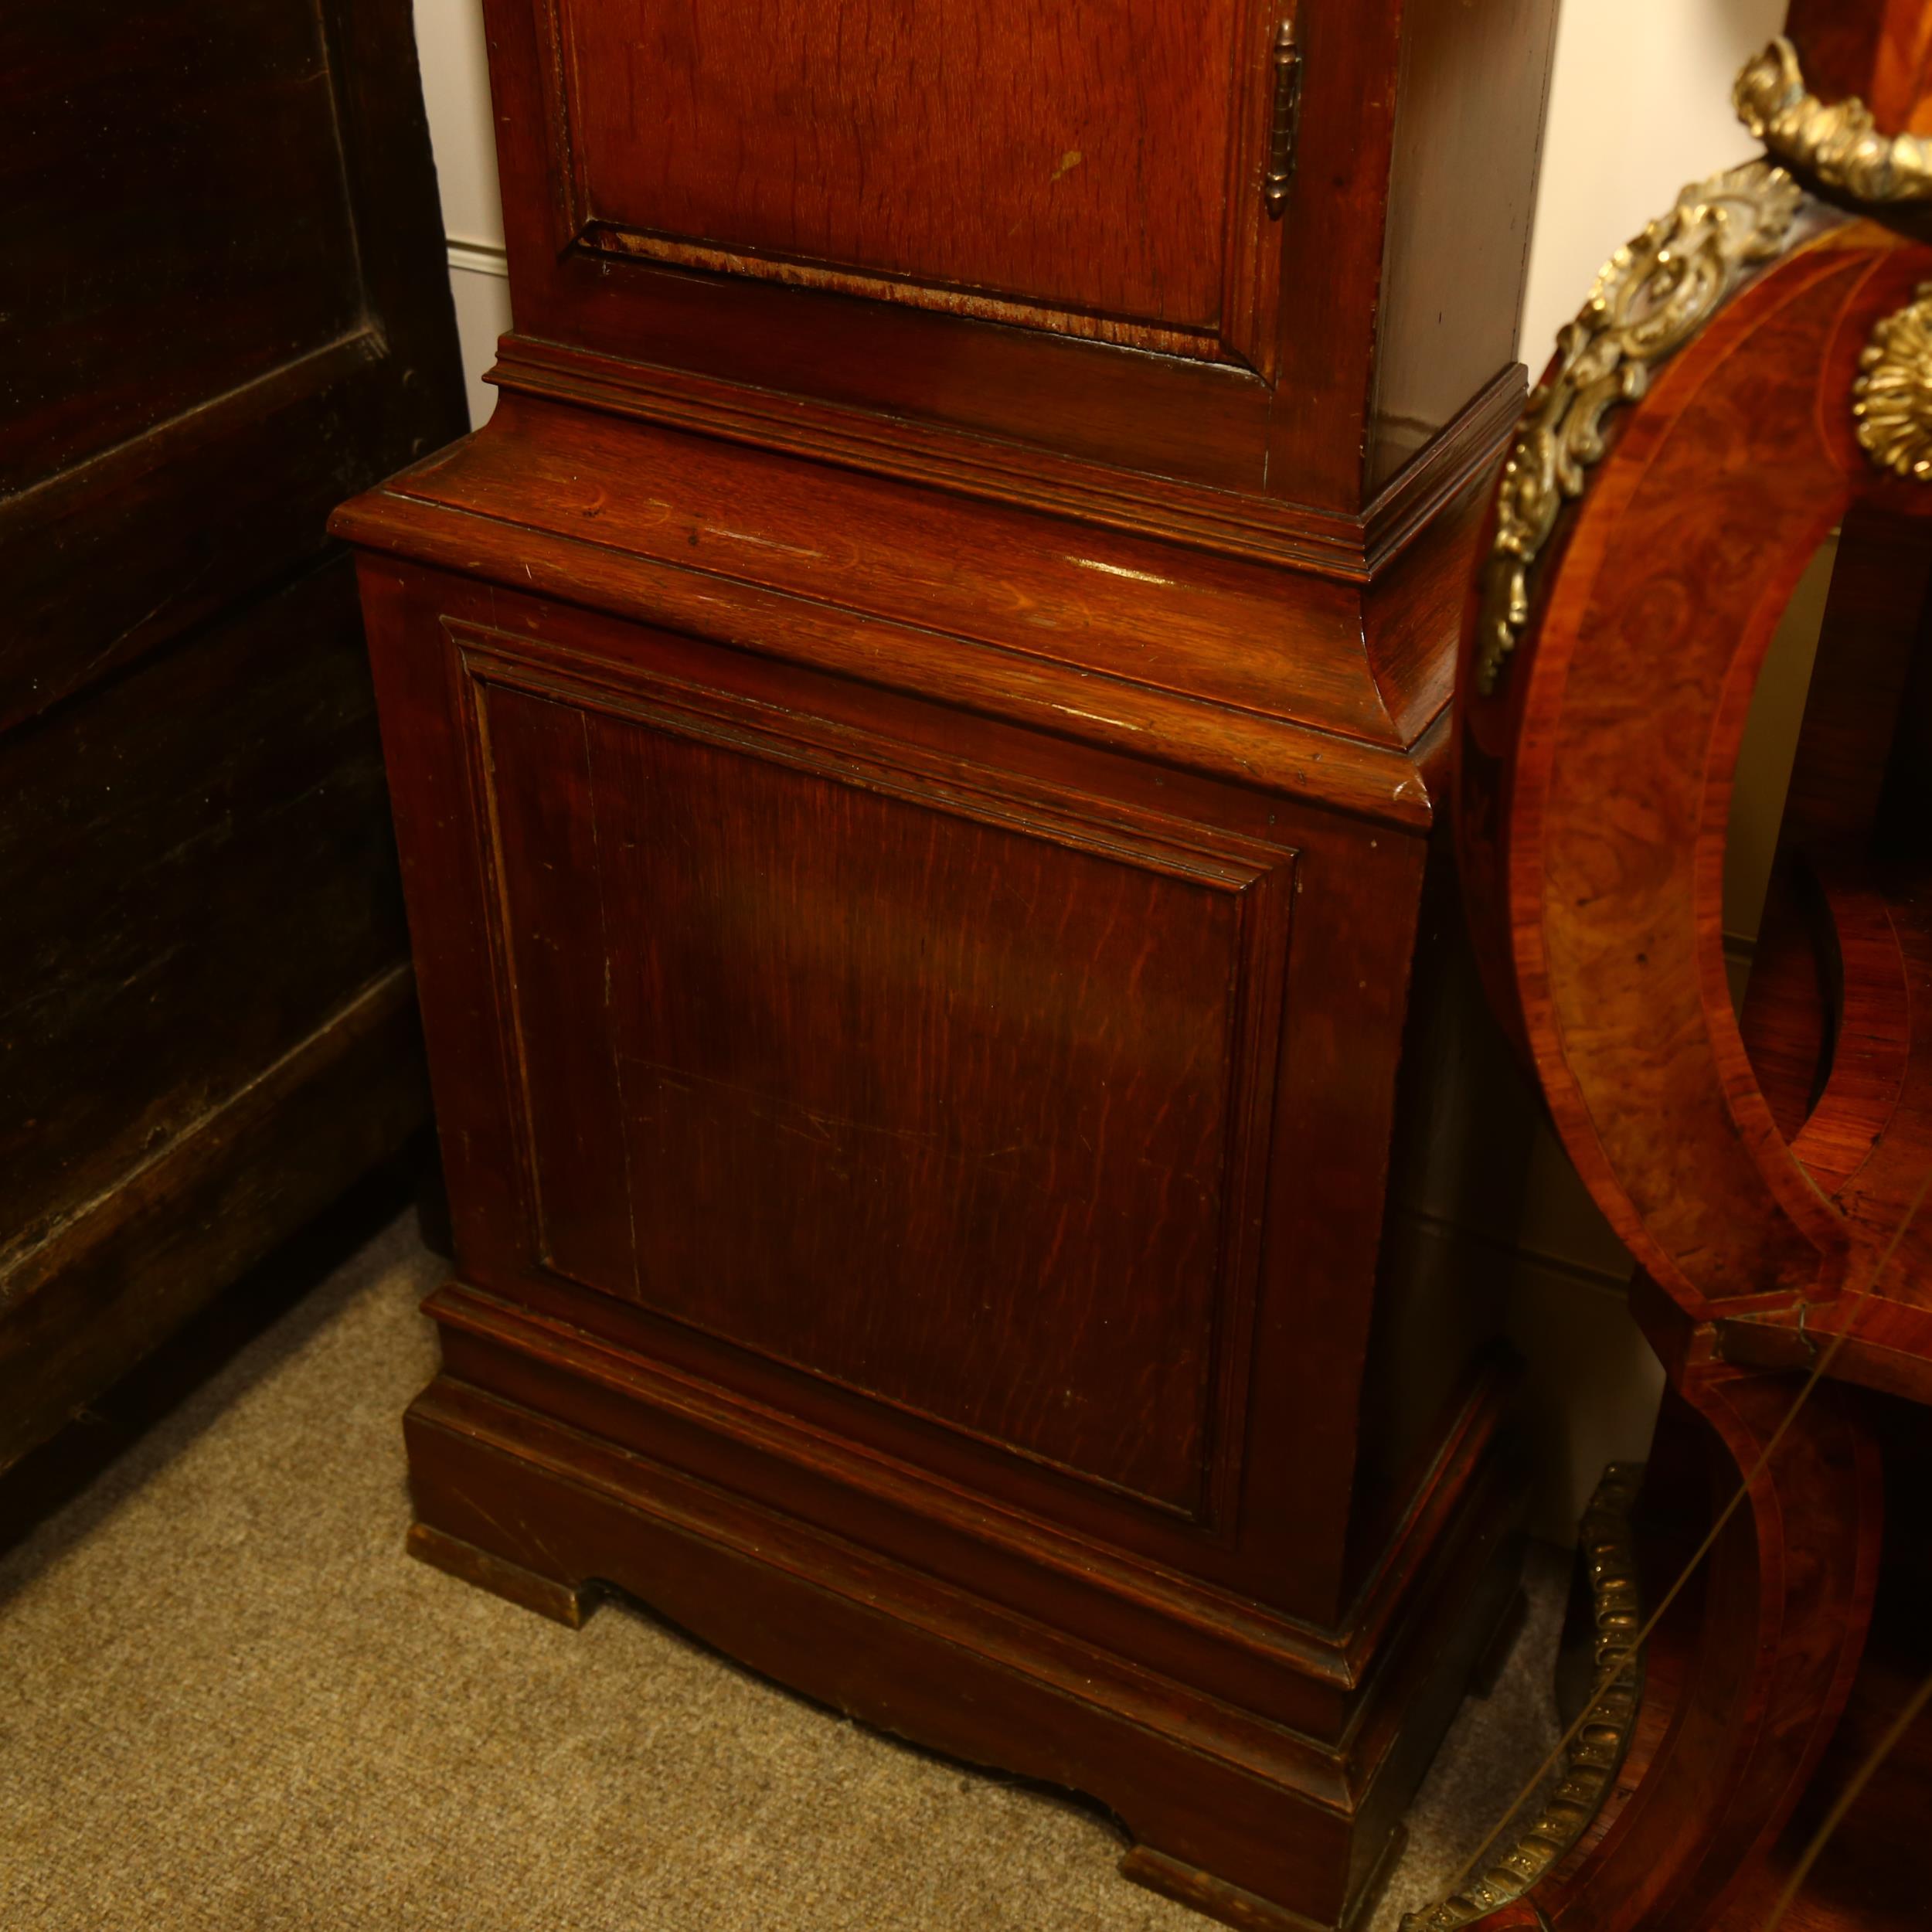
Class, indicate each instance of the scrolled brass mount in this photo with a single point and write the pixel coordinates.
(1653, 296)
(1839, 145)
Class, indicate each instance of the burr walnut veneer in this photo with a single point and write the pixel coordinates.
(914, 733)
(1752, 375)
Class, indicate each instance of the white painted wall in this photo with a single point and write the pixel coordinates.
(455, 91)
(1640, 103)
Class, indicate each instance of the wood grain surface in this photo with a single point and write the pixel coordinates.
(1096, 139)
(225, 306)
(876, 212)
(915, 735)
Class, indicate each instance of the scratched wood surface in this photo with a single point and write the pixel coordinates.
(864, 943)
(1095, 137)
(935, 1108)
(915, 760)
(270, 277)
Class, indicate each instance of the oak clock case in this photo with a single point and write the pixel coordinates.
(915, 733)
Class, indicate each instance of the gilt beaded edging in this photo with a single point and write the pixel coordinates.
(1595, 1753)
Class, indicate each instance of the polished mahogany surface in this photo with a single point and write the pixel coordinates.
(917, 1120)
(1005, 236)
(932, 1105)
(1875, 51)
(1198, 984)
(1102, 148)
(914, 806)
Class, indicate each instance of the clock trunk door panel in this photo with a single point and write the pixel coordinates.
(1090, 168)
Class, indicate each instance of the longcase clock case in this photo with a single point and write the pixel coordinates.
(915, 733)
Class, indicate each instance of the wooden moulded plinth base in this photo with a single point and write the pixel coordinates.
(1235, 1813)
(570, 1604)
(1232, 1906)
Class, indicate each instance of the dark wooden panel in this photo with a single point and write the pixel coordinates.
(80, 1310)
(935, 1106)
(129, 203)
(66, 1464)
(226, 308)
(157, 956)
(109, 560)
(229, 311)
(207, 1027)
(1078, 159)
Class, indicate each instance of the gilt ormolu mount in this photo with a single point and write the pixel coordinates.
(1765, 1170)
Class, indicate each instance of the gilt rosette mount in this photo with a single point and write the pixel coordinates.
(1892, 401)
(1653, 296)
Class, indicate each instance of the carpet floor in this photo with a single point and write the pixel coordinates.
(227, 1700)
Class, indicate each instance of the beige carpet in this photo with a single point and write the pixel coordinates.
(228, 1700)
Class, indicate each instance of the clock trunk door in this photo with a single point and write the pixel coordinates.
(1094, 167)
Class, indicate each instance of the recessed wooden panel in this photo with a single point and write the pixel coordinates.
(1075, 158)
(938, 1106)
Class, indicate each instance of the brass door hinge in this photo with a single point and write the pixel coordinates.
(1287, 119)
